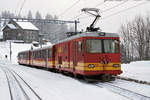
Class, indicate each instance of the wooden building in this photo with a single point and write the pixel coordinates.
(17, 30)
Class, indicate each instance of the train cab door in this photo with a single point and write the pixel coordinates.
(74, 55)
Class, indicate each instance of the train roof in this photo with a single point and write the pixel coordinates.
(89, 34)
(42, 48)
(37, 49)
(24, 51)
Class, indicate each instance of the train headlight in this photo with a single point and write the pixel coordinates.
(115, 65)
(91, 65)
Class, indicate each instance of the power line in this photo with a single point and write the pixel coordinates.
(115, 6)
(17, 6)
(119, 12)
(77, 16)
(109, 8)
(69, 7)
(83, 13)
(124, 10)
(21, 7)
(100, 4)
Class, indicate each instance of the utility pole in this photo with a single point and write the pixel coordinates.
(76, 26)
(10, 50)
(41, 39)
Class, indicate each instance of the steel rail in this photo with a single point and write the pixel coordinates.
(123, 92)
(28, 85)
(18, 83)
(10, 91)
(23, 91)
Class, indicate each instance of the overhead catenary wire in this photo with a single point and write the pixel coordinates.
(109, 8)
(21, 7)
(17, 6)
(77, 16)
(125, 10)
(83, 13)
(100, 4)
(120, 12)
(116, 6)
(69, 7)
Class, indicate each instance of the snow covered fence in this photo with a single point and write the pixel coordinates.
(133, 80)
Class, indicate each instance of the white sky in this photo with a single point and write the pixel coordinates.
(57, 7)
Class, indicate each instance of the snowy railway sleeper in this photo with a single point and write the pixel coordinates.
(90, 54)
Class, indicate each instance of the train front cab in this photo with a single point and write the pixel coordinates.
(93, 56)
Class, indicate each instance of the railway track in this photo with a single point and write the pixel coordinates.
(122, 91)
(19, 89)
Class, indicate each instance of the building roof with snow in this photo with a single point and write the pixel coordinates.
(23, 25)
(11, 26)
(27, 26)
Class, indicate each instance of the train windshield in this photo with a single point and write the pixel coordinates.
(102, 46)
(94, 46)
(111, 46)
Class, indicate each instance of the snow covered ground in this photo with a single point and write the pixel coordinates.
(54, 86)
(137, 70)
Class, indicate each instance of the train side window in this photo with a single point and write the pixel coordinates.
(50, 53)
(35, 54)
(43, 54)
(39, 54)
(79, 46)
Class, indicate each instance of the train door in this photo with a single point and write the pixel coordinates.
(29, 59)
(74, 55)
(46, 64)
(66, 52)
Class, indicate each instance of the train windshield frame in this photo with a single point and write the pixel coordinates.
(102, 46)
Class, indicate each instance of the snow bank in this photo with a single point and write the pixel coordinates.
(137, 70)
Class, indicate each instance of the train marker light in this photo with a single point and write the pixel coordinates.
(115, 65)
(101, 34)
(91, 65)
